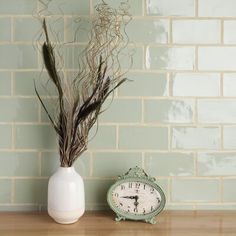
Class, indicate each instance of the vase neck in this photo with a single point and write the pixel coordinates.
(67, 169)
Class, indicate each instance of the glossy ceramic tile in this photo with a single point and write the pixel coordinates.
(5, 83)
(50, 163)
(216, 164)
(77, 29)
(217, 8)
(114, 164)
(168, 111)
(5, 26)
(122, 111)
(24, 83)
(136, 6)
(229, 32)
(17, 7)
(170, 58)
(60, 7)
(195, 190)
(216, 58)
(196, 29)
(229, 191)
(31, 191)
(19, 164)
(102, 138)
(17, 56)
(25, 110)
(195, 138)
(229, 85)
(145, 84)
(26, 29)
(169, 164)
(52, 107)
(171, 8)
(96, 192)
(228, 137)
(30, 29)
(5, 136)
(5, 190)
(195, 84)
(148, 31)
(19, 208)
(35, 137)
(216, 111)
(143, 137)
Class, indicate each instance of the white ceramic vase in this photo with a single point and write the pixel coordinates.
(66, 201)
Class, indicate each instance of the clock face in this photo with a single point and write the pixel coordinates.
(136, 198)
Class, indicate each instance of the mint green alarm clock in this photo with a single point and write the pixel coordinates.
(136, 196)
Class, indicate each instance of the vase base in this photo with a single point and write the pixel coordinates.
(65, 217)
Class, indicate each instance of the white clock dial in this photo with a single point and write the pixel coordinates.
(136, 198)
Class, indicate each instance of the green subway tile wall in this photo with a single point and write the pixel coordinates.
(176, 117)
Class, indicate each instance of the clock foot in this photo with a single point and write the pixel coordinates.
(151, 221)
(119, 218)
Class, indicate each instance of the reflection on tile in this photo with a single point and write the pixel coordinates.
(229, 137)
(14, 109)
(217, 111)
(196, 29)
(229, 190)
(145, 84)
(195, 84)
(229, 85)
(196, 137)
(170, 8)
(194, 190)
(142, 137)
(148, 31)
(216, 58)
(5, 83)
(215, 164)
(172, 58)
(214, 8)
(169, 164)
(19, 164)
(169, 111)
(110, 164)
(51, 161)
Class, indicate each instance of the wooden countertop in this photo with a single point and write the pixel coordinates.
(170, 223)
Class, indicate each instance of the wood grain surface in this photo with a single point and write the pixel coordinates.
(170, 223)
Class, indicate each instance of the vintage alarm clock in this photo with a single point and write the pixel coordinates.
(136, 196)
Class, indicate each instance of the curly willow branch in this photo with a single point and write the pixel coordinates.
(99, 73)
